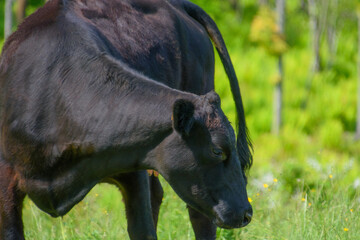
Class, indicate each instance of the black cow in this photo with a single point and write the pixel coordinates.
(73, 113)
(169, 42)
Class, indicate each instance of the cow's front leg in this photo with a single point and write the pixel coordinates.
(135, 190)
(203, 228)
(11, 199)
(157, 194)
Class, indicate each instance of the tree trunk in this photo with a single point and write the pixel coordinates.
(357, 134)
(20, 10)
(303, 6)
(8, 18)
(332, 25)
(263, 2)
(314, 26)
(277, 105)
(332, 45)
(236, 5)
(277, 115)
(315, 40)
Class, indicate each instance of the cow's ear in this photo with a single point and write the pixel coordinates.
(183, 116)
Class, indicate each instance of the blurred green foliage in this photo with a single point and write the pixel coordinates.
(265, 32)
(319, 111)
(320, 115)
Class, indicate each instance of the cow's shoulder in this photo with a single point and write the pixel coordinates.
(40, 19)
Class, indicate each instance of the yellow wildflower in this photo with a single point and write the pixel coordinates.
(250, 200)
(346, 229)
(258, 194)
(303, 199)
(351, 210)
(265, 185)
(275, 180)
(309, 204)
(330, 176)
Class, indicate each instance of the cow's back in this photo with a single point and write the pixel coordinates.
(153, 37)
(157, 38)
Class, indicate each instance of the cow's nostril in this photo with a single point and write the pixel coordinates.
(247, 219)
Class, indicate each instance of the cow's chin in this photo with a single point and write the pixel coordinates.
(229, 218)
(228, 224)
(226, 221)
(219, 212)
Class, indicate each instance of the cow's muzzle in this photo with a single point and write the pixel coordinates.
(233, 219)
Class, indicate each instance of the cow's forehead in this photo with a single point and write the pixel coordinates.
(213, 117)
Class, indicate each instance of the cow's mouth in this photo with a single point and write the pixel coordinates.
(226, 221)
(233, 224)
(228, 217)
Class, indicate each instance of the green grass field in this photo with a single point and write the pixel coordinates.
(324, 211)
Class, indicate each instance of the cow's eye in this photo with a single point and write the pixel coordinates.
(219, 153)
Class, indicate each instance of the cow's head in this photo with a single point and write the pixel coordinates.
(201, 162)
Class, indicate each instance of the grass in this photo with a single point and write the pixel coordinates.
(98, 216)
(325, 210)
(101, 215)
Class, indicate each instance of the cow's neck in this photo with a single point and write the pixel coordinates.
(143, 116)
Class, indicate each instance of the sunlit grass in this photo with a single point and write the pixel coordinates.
(325, 210)
(99, 216)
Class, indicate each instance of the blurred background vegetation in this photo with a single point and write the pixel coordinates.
(297, 65)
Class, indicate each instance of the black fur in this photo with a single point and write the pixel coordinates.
(183, 117)
(73, 113)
